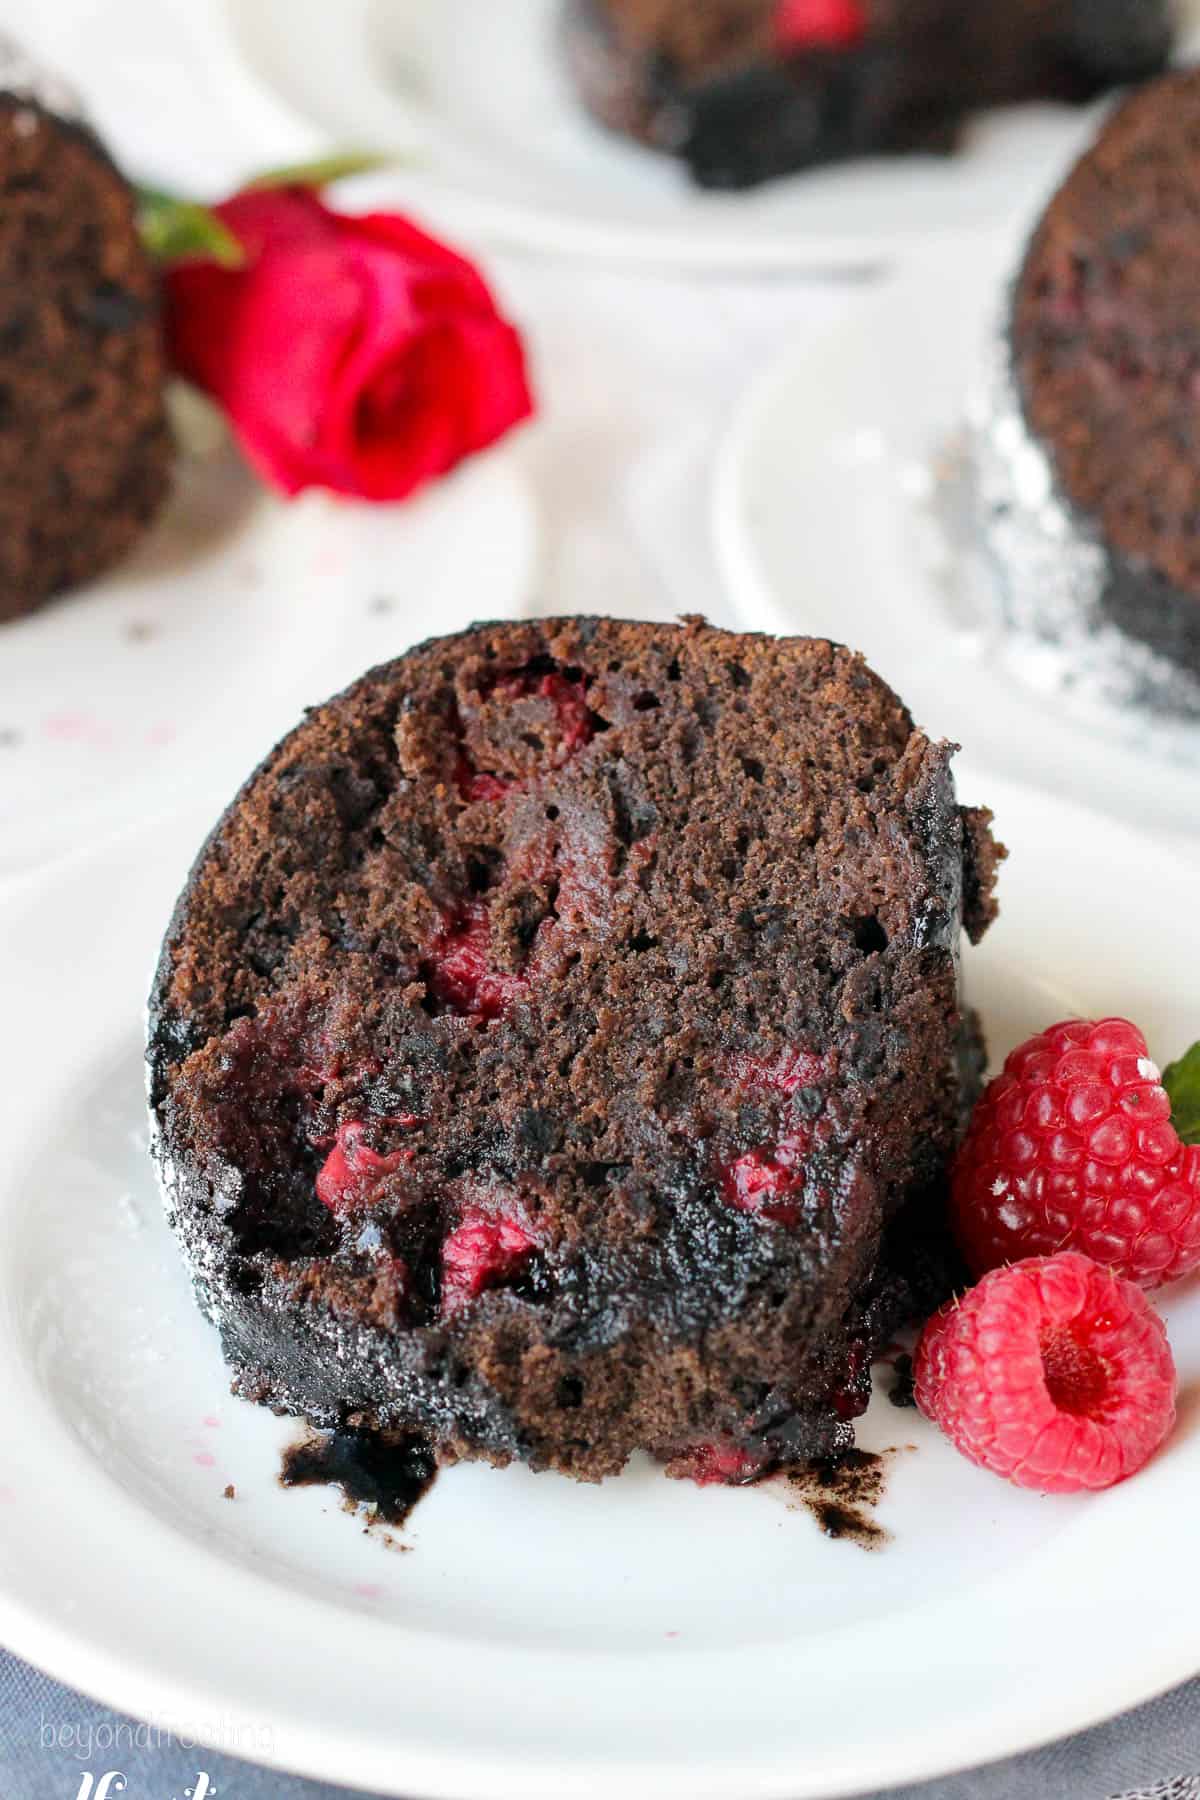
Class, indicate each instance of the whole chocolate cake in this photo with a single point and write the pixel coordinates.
(85, 453)
(744, 90)
(1088, 438)
(558, 1047)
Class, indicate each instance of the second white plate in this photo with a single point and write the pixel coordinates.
(476, 96)
(180, 668)
(829, 518)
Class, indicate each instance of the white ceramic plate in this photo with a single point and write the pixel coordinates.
(476, 95)
(828, 520)
(200, 650)
(645, 1637)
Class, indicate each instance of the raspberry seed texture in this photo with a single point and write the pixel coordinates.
(1054, 1373)
(1074, 1146)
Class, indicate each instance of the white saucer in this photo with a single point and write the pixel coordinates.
(646, 1637)
(475, 96)
(832, 494)
(199, 651)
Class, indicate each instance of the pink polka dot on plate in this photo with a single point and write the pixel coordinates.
(78, 728)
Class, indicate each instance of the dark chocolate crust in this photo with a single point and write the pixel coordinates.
(85, 452)
(705, 1058)
(709, 81)
(1106, 349)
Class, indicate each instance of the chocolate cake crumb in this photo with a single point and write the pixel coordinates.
(229, 1492)
(387, 1472)
(558, 1048)
(840, 1491)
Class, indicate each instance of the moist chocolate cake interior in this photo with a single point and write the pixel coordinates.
(558, 1046)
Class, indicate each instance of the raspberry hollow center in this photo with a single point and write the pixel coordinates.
(1077, 1377)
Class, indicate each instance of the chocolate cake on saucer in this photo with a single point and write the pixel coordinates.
(558, 1047)
(743, 90)
(1086, 432)
(85, 451)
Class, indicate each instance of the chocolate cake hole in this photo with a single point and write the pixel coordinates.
(482, 872)
(752, 768)
(647, 703)
(868, 934)
(738, 675)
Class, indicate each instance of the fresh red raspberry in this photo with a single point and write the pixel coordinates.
(1054, 1373)
(817, 25)
(1074, 1147)
(483, 1249)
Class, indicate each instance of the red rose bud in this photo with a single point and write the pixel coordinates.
(356, 354)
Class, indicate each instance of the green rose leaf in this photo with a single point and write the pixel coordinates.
(1182, 1082)
(319, 174)
(176, 230)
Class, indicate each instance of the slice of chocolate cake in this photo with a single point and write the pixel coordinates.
(743, 90)
(558, 1047)
(85, 452)
(1088, 437)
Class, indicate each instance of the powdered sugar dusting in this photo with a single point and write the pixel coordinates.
(1047, 572)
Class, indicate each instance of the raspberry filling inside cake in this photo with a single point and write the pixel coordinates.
(558, 1047)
